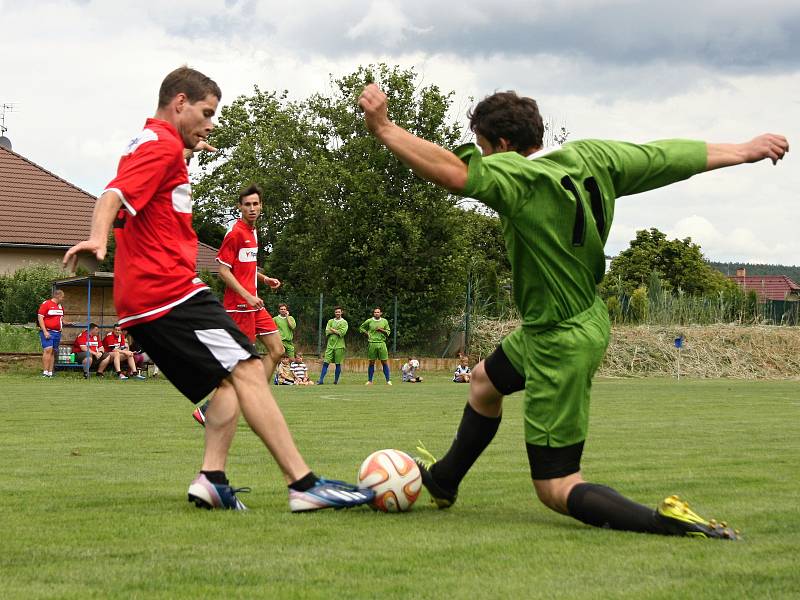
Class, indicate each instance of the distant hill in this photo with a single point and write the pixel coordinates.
(725, 268)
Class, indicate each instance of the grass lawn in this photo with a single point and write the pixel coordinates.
(94, 476)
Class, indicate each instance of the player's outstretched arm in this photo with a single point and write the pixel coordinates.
(768, 145)
(425, 158)
(105, 210)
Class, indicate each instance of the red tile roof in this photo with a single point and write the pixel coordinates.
(39, 208)
(772, 287)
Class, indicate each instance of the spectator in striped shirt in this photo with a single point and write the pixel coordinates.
(300, 370)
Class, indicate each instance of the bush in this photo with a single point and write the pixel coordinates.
(639, 305)
(23, 291)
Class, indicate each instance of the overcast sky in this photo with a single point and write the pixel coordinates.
(84, 75)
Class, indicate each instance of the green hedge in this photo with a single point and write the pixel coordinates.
(23, 291)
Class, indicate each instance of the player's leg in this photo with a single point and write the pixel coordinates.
(268, 333)
(103, 362)
(492, 379)
(47, 355)
(337, 373)
(383, 354)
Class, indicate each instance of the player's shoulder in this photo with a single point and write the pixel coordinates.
(155, 136)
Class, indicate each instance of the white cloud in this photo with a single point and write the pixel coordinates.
(85, 76)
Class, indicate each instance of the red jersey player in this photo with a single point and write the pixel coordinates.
(50, 316)
(171, 313)
(237, 258)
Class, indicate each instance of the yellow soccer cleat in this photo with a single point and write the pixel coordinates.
(679, 519)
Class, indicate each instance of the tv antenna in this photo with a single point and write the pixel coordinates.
(6, 107)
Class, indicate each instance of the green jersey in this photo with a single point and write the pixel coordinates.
(371, 326)
(286, 326)
(335, 330)
(556, 212)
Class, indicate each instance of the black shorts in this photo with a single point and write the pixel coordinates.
(196, 345)
(502, 374)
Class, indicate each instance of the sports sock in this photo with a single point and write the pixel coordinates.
(370, 372)
(216, 477)
(474, 434)
(324, 371)
(386, 373)
(602, 506)
(337, 372)
(304, 483)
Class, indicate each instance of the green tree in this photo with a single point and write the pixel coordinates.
(639, 305)
(678, 264)
(344, 216)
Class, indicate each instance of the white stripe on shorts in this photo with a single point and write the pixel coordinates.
(222, 345)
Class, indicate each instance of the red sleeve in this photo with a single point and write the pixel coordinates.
(43, 309)
(140, 174)
(110, 341)
(229, 250)
(81, 339)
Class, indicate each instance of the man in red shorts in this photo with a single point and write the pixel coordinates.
(171, 312)
(237, 258)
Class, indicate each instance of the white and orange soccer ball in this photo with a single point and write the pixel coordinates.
(395, 478)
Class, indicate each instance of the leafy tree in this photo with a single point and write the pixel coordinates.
(344, 216)
(677, 264)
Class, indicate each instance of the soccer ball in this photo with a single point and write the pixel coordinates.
(395, 478)
(414, 363)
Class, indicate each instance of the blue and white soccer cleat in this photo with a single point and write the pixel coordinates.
(329, 493)
(209, 495)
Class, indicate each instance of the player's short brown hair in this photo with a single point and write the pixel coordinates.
(507, 115)
(249, 191)
(185, 80)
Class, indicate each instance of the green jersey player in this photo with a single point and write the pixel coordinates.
(286, 326)
(556, 210)
(377, 331)
(336, 329)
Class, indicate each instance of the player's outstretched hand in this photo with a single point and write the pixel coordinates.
(768, 145)
(272, 282)
(375, 106)
(98, 248)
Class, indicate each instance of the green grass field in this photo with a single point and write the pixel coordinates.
(94, 477)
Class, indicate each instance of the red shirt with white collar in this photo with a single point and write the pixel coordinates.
(239, 252)
(113, 342)
(156, 255)
(53, 313)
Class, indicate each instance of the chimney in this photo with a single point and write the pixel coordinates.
(741, 272)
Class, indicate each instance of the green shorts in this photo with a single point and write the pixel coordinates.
(334, 355)
(558, 365)
(288, 348)
(377, 351)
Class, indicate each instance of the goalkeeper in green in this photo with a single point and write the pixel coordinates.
(555, 210)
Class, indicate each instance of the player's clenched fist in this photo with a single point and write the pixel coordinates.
(373, 102)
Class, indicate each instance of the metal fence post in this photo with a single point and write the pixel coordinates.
(394, 328)
(319, 327)
(467, 312)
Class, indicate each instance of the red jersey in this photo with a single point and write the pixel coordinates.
(112, 342)
(92, 345)
(53, 314)
(239, 252)
(156, 256)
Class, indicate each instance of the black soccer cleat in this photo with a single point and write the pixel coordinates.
(439, 496)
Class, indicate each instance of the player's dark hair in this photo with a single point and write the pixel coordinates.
(337, 307)
(249, 191)
(283, 304)
(93, 325)
(185, 80)
(377, 308)
(507, 115)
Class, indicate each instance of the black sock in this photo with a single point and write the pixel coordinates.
(602, 506)
(216, 477)
(474, 434)
(304, 483)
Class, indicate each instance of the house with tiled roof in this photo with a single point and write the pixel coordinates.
(768, 287)
(42, 215)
